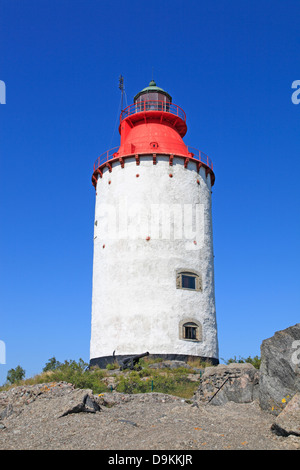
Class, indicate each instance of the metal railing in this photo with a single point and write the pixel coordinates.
(105, 157)
(153, 105)
(201, 157)
(196, 155)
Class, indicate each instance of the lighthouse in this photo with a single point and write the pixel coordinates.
(153, 265)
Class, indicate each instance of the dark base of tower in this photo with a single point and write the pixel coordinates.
(103, 361)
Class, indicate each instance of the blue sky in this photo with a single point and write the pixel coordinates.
(230, 66)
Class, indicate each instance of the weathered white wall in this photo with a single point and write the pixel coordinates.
(135, 305)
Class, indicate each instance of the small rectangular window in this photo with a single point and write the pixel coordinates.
(190, 332)
(188, 282)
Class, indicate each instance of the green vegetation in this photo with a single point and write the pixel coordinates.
(144, 379)
(14, 376)
(55, 371)
(113, 366)
(52, 364)
(255, 361)
(170, 381)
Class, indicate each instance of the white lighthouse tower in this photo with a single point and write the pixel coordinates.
(153, 271)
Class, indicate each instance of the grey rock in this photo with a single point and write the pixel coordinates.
(223, 383)
(279, 370)
(60, 398)
(80, 401)
(288, 421)
(6, 412)
(90, 404)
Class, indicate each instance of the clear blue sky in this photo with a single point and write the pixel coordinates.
(230, 66)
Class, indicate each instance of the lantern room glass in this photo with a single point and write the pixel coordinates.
(153, 101)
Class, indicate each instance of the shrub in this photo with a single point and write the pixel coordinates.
(112, 366)
(15, 375)
(255, 361)
(52, 364)
(132, 384)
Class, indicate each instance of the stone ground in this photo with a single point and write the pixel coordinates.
(151, 421)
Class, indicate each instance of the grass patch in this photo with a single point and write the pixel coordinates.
(169, 381)
(198, 363)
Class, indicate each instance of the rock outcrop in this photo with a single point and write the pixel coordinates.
(234, 382)
(287, 422)
(280, 369)
(64, 399)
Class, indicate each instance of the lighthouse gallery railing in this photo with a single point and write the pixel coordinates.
(153, 105)
(112, 153)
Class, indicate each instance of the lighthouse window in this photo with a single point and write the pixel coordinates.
(190, 330)
(189, 280)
